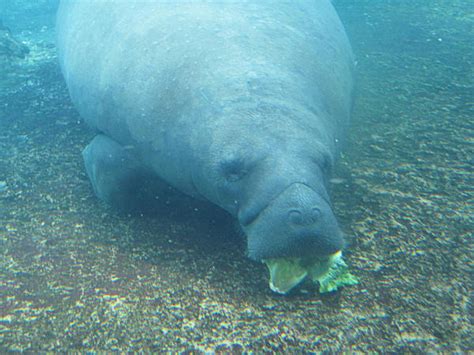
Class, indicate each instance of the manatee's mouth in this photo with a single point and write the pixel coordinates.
(330, 272)
(286, 273)
(305, 252)
(295, 233)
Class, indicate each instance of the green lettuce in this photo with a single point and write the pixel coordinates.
(330, 272)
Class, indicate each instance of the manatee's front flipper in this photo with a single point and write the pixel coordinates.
(117, 177)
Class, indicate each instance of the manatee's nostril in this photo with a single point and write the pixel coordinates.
(295, 217)
(315, 214)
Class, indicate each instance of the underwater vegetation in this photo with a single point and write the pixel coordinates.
(9, 46)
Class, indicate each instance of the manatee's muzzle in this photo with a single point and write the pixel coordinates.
(299, 222)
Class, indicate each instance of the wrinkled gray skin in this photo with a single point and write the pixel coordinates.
(242, 103)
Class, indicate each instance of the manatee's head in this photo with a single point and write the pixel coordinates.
(297, 222)
(279, 198)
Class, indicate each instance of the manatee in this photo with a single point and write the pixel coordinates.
(240, 103)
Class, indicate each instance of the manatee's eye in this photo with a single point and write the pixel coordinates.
(324, 161)
(233, 169)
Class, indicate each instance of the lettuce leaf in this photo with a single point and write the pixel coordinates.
(331, 273)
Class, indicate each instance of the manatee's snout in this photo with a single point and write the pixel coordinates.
(299, 222)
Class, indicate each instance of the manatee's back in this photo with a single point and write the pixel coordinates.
(87, 33)
(146, 70)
